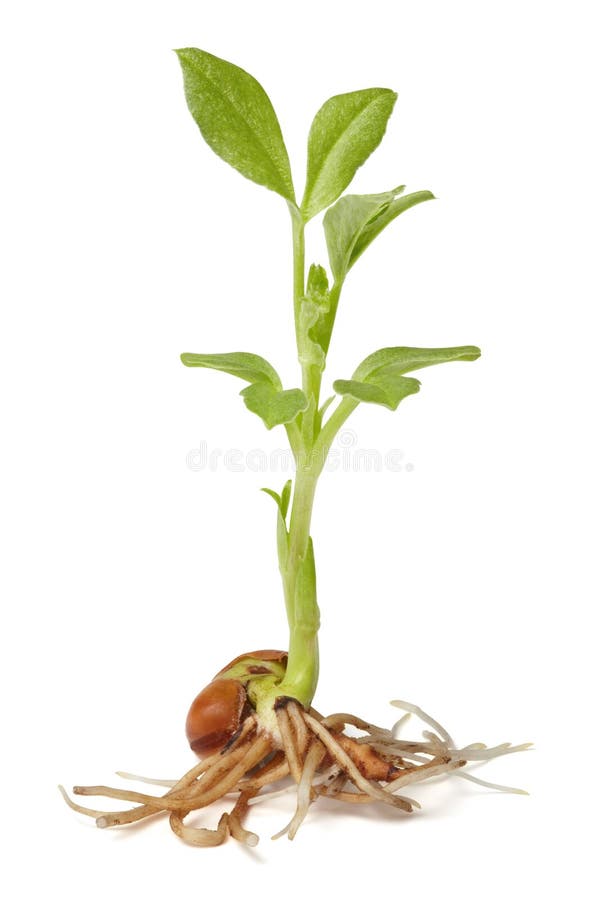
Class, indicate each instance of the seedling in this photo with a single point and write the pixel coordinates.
(254, 726)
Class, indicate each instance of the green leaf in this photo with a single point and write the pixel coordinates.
(237, 119)
(376, 225)
(274, 407)
(317, 284)
(248, 366)
(282, 542)
(314, 309)
(274, 495)
(263, 395)
(285, 497)
(380, 378)
(306, 610)
(344, 133)
(387, 391)
(282, 500)
(356, 220)
(399, 360)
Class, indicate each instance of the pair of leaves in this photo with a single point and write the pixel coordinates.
(380, 378)
(264, 395)
(356, 220)
(237, 120)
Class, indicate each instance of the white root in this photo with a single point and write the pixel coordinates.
(490, 784)
(159, 782)
(397, 726)
(482, 755)
(412, 708)
(314, 757)
(291, 788)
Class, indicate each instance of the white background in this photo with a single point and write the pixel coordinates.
(465, 585)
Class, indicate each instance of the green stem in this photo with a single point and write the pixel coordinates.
(296, 560)
(311, 376)
(300, 584)
(311, 443)
(331, 427)
(298, 274)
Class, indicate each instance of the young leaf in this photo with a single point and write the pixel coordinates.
(285, 497)
(399, 360)
(380, 377)
(282, 542)
(274, 407)
(282, 532)
(356, 220)
(237, 119)
(282, 500)
(306, 609)
(385, 390)
(310, 352)
(248, 366)
(314, 308)
(274, 495)
(263, 395)
(344, 133)
(383, 218)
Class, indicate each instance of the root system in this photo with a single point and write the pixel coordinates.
(311, 755)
